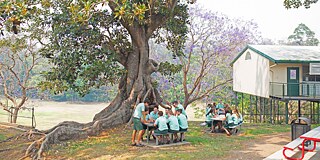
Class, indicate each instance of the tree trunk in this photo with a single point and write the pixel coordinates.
(133, 85)
(15, 115)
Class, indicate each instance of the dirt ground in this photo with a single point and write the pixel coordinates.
(262, 147)
(12, 146)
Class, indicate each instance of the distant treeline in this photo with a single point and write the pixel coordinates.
(103, 94)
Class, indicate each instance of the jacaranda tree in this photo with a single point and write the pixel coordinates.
(213, 41)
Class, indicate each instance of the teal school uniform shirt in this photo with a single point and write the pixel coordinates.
(209, 116)
(182, 108)
(161, 122)
(138, 111)
(235, 119)
(229, 118)
(182, 120)
(220, 106)
(208, 110)
(173, 123)
(147, 117)
(154, 115)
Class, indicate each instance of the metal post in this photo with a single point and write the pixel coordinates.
(256, 109)
(311, 111)
(278, 117)
(242, 104)
(283, 90)
(314, 90)
(287, 112)
(32, 117)
(271, 115)
(251, 109)
(260, 109)
(264, 109)
(236, 97)
(318, 112)
(299, 108)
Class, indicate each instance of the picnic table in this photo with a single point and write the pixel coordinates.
(219, 118)
(149, 125)
(313, 135)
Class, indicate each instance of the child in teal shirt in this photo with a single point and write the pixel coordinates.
(173, 125)
(212, 124)
(154, 114)
(230, 121)
(183, 123)
(161, 123)
(178, 106)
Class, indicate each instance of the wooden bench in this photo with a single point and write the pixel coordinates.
(168, 134)
(300, 143)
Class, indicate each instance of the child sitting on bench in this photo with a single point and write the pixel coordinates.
(230, 121)
(210, 124)
(236, 116)
(183, 123)
(173, 125)
(162, 129)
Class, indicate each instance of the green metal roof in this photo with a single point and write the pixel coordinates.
(285, 54)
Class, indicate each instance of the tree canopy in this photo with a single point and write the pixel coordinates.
(210, 47)
(298, 3)
(303, 36)
(88, 41)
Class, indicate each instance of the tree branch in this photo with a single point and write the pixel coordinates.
(5, 88)
(208, 91)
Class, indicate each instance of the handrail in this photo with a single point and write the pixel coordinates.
(303, 89)
(304, 82)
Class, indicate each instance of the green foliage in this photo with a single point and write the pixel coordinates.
(81, 59)
(103, 94)
(168, 69)
(174, 32)
(303, 36)
(87, 41)
(199, 111)
(298, 3)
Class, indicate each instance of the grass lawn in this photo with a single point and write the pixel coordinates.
(2, 137)
(115, 143)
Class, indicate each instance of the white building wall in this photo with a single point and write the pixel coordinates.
(251, 76)
(278, 77)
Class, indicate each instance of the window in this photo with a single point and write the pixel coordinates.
(306, 75)
(248, 56)
(314, 69)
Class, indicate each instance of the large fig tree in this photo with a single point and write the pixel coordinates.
(96, 42)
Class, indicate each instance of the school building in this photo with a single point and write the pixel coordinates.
(276, 74)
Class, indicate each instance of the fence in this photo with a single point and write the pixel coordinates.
(11, 116)
(267, 110)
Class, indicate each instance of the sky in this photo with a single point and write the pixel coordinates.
(274, 20)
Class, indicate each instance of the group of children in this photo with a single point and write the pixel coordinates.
(231, 117)
(165, 123)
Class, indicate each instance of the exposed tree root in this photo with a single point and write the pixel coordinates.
(31, 134)
(70, 130)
